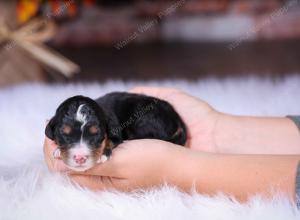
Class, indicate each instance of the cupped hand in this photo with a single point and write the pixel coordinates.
(134, 165)
(199, 117)
(145, 163)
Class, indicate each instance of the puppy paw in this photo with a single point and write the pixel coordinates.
(103, 159)
(105, 156)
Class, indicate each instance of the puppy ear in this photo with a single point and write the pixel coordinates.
(49, 131)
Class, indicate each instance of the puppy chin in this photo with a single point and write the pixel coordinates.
(80, 168)
(83, 168)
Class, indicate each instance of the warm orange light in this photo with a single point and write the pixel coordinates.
(27, 9)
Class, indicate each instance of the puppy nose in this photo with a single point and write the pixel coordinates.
(80, 159)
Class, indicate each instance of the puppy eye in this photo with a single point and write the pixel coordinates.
(66, 129)
(93, 129)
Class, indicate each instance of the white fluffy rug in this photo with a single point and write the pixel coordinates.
(28, 191)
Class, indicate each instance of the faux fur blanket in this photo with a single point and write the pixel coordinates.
(28, 191)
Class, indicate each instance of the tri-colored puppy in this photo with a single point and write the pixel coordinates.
(87, 130)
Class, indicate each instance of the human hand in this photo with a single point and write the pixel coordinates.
(134, 164)
(199, 117)
(142, 164)
(54, 164)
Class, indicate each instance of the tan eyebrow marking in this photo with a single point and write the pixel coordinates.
(67, 129)
(93, 129)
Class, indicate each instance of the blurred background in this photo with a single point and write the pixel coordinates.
(53, 41)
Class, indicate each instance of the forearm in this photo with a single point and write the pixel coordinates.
(256, 135)
(237, 175)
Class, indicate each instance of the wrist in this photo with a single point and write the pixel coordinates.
(223, 132)
(183, 168)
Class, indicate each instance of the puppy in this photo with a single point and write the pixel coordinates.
(87, 130)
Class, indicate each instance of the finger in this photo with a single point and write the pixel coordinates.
(99, 182)
(54, 164)
(46, 122)
(91, 182)
(59, 166)
(162, 93)
(49, 147)
(50, 143)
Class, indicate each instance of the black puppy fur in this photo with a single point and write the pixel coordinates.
(112, 119)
